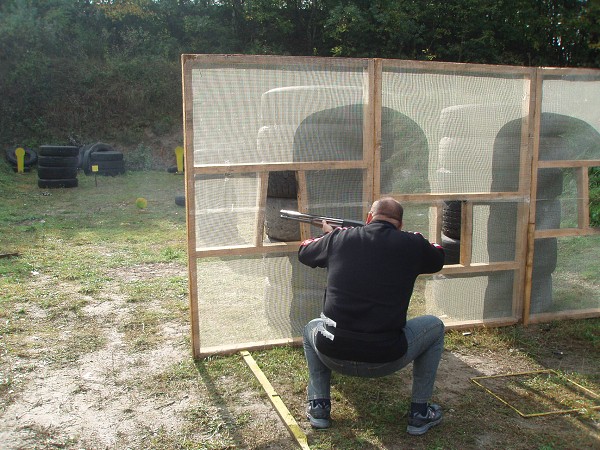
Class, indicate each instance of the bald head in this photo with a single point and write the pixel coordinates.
(389, 210)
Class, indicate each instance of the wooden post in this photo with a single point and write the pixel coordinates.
(190, 204)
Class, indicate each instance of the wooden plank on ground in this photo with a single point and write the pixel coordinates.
(275, 399)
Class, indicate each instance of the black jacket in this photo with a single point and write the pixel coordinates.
(371, 272)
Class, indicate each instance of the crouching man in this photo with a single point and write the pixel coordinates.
(363, 330)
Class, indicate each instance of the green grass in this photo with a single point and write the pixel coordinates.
(77, 244)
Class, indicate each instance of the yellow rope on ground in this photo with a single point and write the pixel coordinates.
(534, 372)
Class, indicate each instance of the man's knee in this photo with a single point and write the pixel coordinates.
(435, 327)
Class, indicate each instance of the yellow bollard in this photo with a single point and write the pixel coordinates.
(179, 156)
(20, 154)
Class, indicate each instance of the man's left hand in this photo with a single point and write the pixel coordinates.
(326, 227)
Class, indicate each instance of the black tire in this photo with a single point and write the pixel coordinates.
(451, 219)
(282, 184)
(172, 169)
(549, 183)
(109, 155)
(111, 168)
(108, 165)
(53, 173)
(545, 255)
(547, 214)
(52, 184)
(98, 147)
(180, 200)
(58, 161)
(58, 150)
(85, 161)
(451, 250)
(82, 150)
(30, 159)
(101, 147)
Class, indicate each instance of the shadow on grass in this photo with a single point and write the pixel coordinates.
(221, 401)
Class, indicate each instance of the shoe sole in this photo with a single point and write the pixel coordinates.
(417, 431)
(318, 423)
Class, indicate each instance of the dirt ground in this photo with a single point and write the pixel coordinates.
(113, 398)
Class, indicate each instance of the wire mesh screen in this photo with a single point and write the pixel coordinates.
(253, 113)
(328, 136)
(441, 130)
(271, 114)
(460, 133)
(574, 284)
(471, 297)
(565, 268)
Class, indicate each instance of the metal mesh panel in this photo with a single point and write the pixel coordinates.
(256, 299)
(570, 122)
(231, 301)
(456, 147)
(293, 294)
(574, 284)
(226, 208)
(444, 127)
(494, 232)
(565, 269)
(254, 113)
(458, 299)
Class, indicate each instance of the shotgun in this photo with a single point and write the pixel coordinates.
(317, 220)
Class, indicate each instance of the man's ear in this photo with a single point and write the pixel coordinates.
(401, 225)
(369, 217)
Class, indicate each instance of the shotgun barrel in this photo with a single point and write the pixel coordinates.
(317, 220)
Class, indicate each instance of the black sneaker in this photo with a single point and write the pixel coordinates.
(419, 424)
(318, 413)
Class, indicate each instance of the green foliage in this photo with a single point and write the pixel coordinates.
(104, 69)
(141, 158)
(594, 177)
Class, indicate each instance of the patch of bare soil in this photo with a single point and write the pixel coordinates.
(118, 397)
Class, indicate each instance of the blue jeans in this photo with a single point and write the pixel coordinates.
(425, 337)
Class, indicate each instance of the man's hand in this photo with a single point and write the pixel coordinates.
(326, 227)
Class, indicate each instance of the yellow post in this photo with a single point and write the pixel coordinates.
(179, 156)
(20, 154)
(95, 169)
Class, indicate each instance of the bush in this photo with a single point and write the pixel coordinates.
(141, 158)
(594, 177)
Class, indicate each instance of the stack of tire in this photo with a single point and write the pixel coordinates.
(31, 158)
(281, 194)
(308, 131)
(451, 225)
(57, 166)
(101, 159)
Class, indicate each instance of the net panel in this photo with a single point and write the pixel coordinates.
(252, 113)
(278, 112)
(565, 270)
(444, 132)
(225, 209)
(472, 297)
(462, 134)
(574, 284)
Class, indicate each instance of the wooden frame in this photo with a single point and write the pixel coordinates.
(370, 164)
